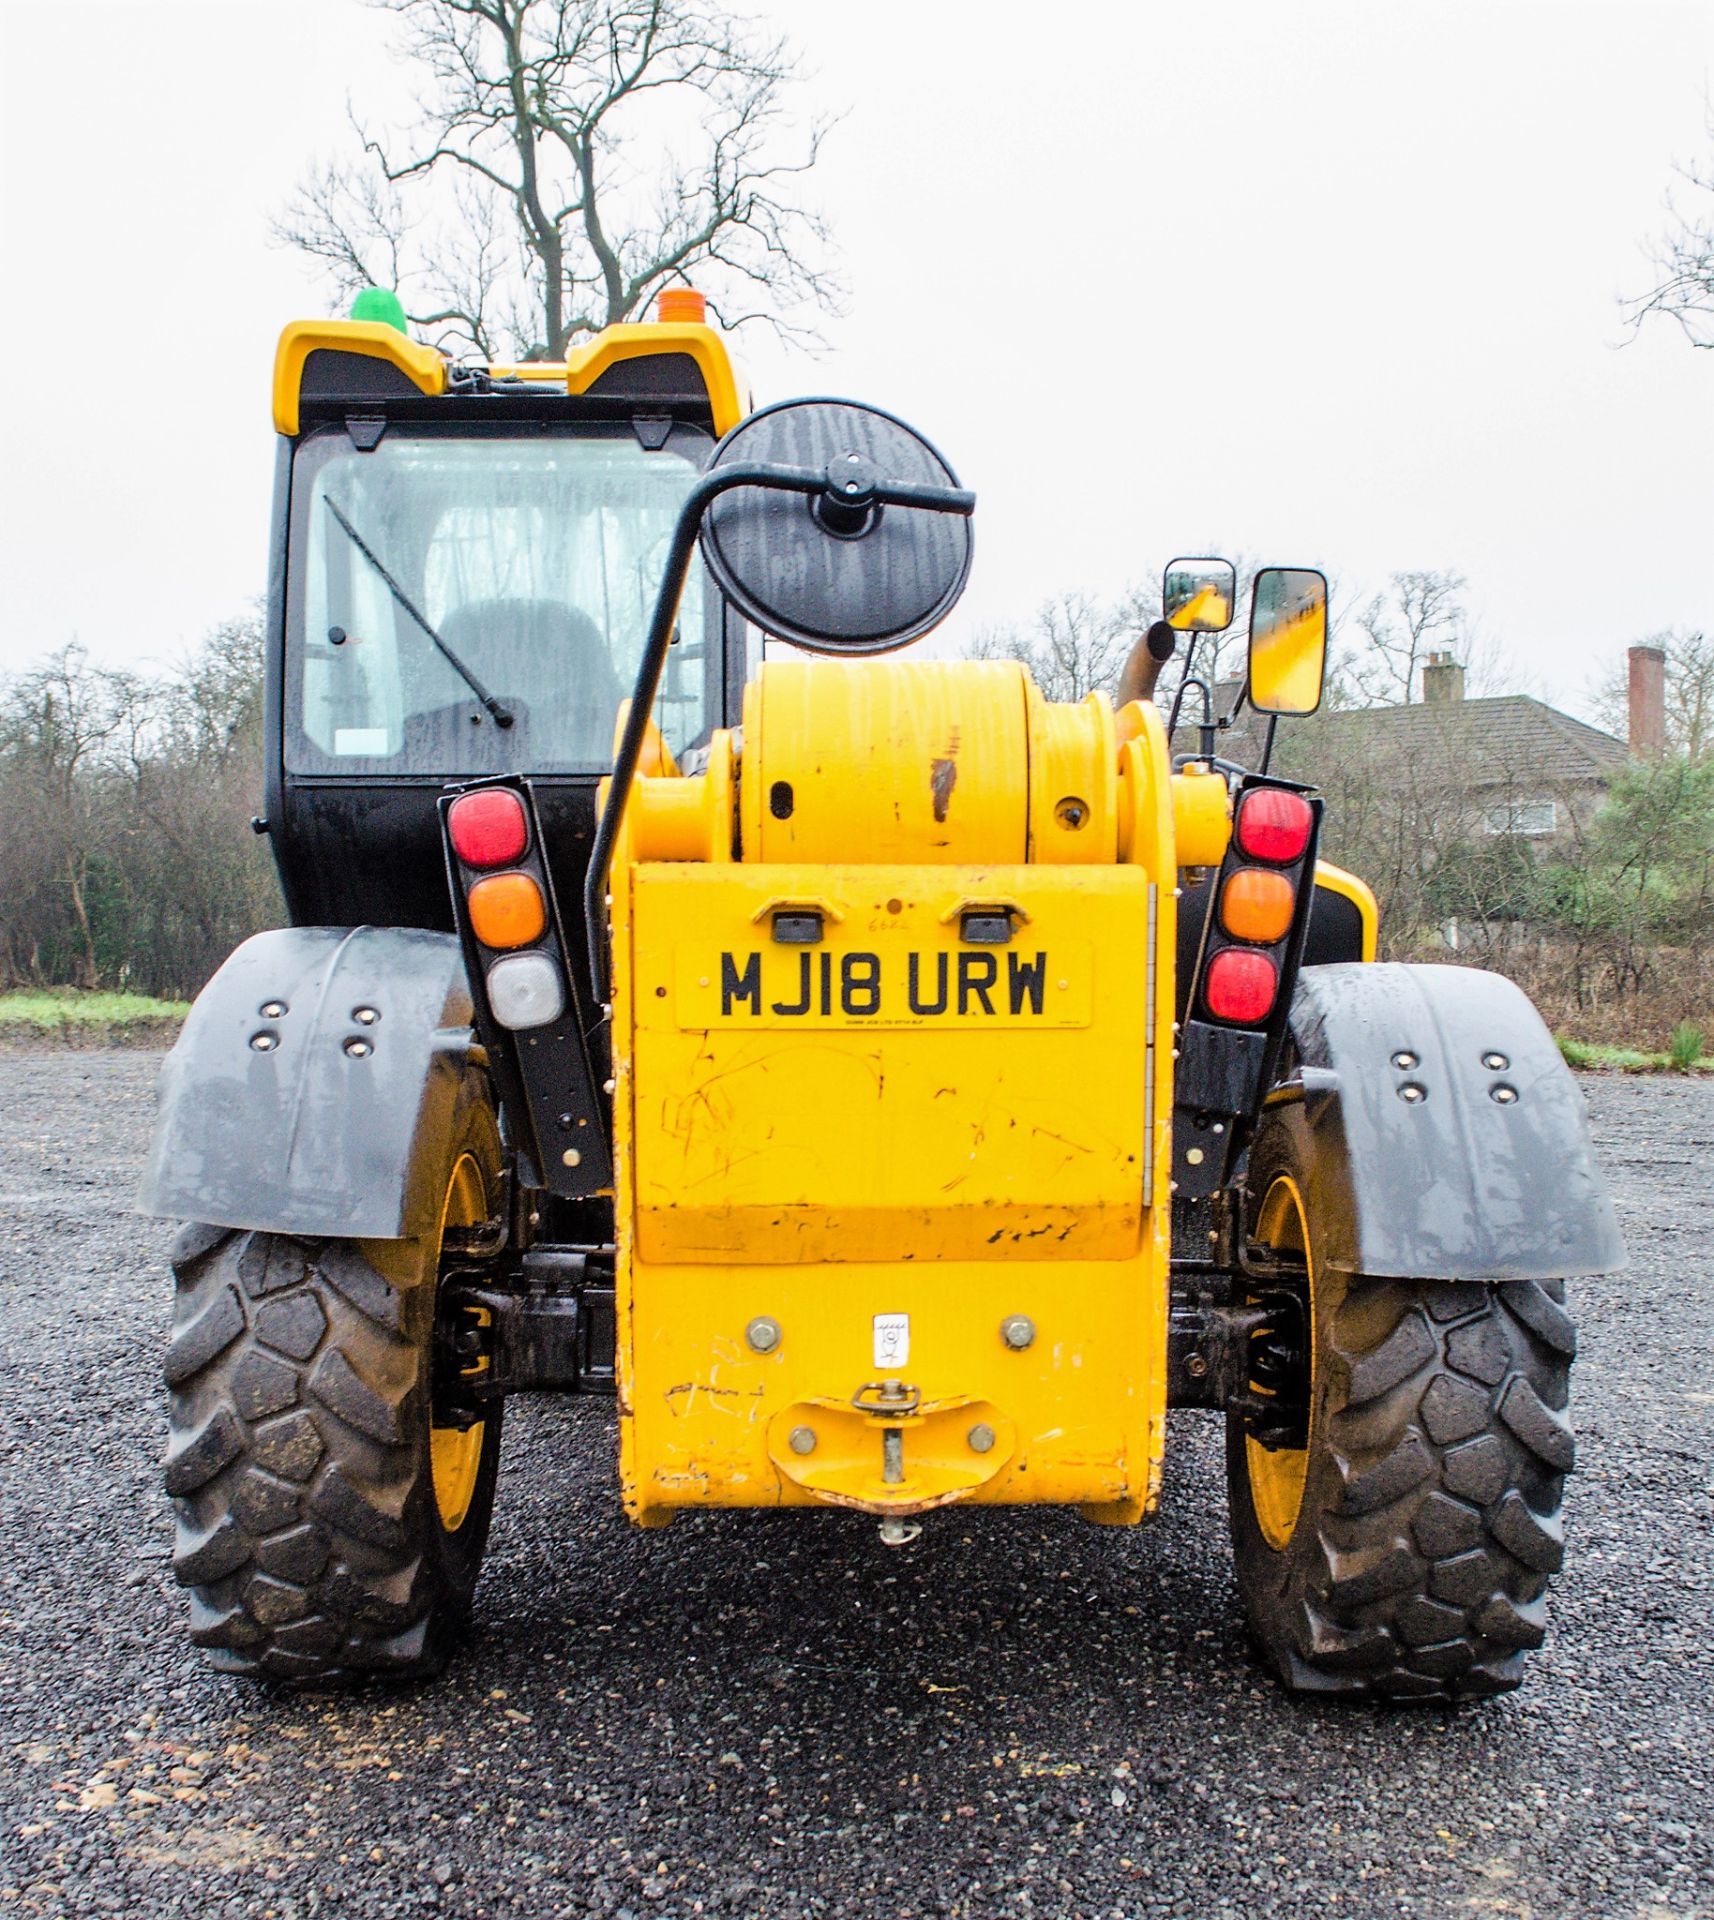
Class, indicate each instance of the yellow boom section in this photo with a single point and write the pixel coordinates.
(893, 1091)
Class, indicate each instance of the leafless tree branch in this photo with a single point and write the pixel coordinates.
(619, 145)
(1683, 260)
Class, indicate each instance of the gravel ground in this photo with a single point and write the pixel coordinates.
(750, 1715)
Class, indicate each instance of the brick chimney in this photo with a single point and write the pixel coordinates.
(1442, 680)
(1648, 700)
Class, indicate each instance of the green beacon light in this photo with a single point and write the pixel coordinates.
(382, 304)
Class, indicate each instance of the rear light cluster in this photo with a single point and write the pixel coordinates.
(508, 911)
(1256, 905)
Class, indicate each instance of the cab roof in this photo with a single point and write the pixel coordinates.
(325, 370)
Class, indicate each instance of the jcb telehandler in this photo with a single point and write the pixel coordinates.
(896, 1088)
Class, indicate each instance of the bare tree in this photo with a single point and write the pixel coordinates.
(1683, 260)
(58, 725)
(127, 858)
(1420, 613)
(1073, 645)
(570, 159)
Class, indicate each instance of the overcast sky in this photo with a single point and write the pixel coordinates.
(1330, 284)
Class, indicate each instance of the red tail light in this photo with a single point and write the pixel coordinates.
(1240, 986)
(488, 829)
(1274, 825)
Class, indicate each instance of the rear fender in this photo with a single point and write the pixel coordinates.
(314, 1120)
(1485, 1172)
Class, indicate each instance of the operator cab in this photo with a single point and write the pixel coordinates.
(465, 564)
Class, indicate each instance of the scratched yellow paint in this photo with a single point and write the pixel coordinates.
(895, 1120)
(1011, 1119)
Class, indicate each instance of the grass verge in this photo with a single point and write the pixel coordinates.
(1590, 1057)
(89, 1019)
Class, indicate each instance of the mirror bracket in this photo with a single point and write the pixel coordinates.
(936, 493)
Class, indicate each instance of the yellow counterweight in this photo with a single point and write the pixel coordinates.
(893, 1092)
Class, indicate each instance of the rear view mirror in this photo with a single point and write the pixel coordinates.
(1197, 596)
(1288, 640)
(839, 571)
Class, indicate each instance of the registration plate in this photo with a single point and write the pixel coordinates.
(1019, 985)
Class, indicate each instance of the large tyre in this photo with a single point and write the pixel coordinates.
(328, 1523)
(1404, 1552)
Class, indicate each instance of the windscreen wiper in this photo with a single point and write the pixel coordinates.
(502, 716)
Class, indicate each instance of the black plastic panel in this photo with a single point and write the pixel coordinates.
(1451, 1140)
(330, 375)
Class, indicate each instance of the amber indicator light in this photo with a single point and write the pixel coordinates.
(1256, 905)
(507, 910)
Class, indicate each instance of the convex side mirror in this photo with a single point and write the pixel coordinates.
(1288, 639)
(1197, 596)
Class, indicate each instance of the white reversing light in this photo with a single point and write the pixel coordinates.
(525, 990)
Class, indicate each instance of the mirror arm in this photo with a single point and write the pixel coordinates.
(1208, 724)
(716, 481)
(1184, 681)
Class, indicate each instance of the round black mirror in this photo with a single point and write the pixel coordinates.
(836, 571)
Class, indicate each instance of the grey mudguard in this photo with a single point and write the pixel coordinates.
(304, 1134)
(1451, 1182)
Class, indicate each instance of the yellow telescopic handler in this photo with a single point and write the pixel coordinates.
(896, 1089)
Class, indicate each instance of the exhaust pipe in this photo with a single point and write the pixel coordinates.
(1143, 668)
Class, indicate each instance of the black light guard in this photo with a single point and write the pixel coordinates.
(559, 1119)
(1223, 1071)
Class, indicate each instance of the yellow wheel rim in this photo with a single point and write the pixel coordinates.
(455, 1454)
(1277, 1474)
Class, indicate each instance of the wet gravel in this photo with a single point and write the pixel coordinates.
(751, 1715)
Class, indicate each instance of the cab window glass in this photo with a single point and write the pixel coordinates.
(535, 561)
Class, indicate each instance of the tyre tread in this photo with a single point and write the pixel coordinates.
(1439, 1552)
(296, 1377)
(1418, 1569)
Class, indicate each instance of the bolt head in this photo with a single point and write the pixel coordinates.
(1412, 1094)
(359, 1048)
(763, 1333)
(365, 1016)
(273, 1009)
(1503, 1096)
(981, 1437)
(1195, 1366)
(264, 1042)
(802, 1440)
(1495, 1062)
(1018, 1331)
(1404, 1060)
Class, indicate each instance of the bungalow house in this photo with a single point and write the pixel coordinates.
(1449, 804)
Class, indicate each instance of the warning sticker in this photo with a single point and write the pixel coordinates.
(892, 1339)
